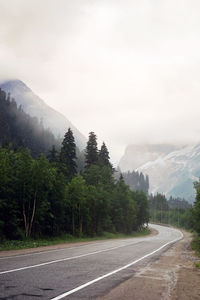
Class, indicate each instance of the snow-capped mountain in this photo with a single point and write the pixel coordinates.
(35, 106)
(170, 172)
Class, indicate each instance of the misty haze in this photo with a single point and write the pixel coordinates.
(99, 149)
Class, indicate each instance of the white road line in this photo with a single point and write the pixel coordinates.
(64, 259)
(113, 272)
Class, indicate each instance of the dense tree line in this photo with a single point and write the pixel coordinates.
(18, 128)
(196, 210)
(137, 181)
(175, 211)
(45, 196)
(179, 203)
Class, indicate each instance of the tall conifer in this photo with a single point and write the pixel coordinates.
(91, 156)
(68, 155)
(104, 156)
(52, 155)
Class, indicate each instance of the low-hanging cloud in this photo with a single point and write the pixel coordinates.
(128, 70)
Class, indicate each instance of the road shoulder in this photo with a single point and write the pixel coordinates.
(8, 253)
(172, 276)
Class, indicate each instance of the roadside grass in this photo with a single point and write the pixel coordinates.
(197, 265)
(195, 244)
(66, 238)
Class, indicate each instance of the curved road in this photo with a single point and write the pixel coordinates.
(80, 272)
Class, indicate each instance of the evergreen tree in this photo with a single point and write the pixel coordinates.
(20, 129)
(9, 211)
(68, 155)
(136, 181)
(123, 212)
(196, 209)
(104, 157)
(121, 178)
(53, 155)
(91, 156)
(142, 207)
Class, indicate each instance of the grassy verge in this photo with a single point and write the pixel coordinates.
(196, 247)
(67, 238)
(196, 244)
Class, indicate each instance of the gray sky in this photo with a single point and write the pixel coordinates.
(129, 70)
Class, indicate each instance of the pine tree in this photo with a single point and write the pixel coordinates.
(196, 208)
(53, 155)
(91, 156)
(68, 155)
(121, 178)
(104, 157)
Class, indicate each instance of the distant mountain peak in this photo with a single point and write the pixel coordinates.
(15, 84)
(170, 172)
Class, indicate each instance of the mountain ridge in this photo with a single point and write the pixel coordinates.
(37, 107)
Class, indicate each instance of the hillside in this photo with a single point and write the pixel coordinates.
(36, 107)
(19, 129)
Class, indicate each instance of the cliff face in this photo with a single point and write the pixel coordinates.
(171, 169)
(137, 155)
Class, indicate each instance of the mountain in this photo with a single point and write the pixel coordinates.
(36, 107)
(18, 129)
(137, 155)
(171, 169)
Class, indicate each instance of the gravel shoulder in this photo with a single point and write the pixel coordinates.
(172, 276)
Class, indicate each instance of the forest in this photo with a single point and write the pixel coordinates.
(173, 211)
(47, 187)
(43, 193)
(136, 181)
(22, 130)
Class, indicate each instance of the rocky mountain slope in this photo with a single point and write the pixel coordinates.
(171, 169)
(36, 107)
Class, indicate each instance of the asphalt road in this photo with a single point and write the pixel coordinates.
(80, 272)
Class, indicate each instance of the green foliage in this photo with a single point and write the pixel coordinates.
(100, 182)
(104, 158)
(9, 210)
(197, 265)
(136, 181)
(123, 208)
(19, 129)
(196, 209)
(66, 238)
(76, 195)
(142, 208)
(176, 212)
(42, 197)
(53, 155)
(91, 156)
(68, 156)
(158, 202)
(196, 244)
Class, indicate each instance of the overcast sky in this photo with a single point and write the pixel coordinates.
(127, 70)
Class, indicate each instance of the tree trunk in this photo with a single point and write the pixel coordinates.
(81, 227)
(73, 229)
(33, 214)
(25, 222)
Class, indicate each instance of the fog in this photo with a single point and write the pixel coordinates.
(127, 70)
